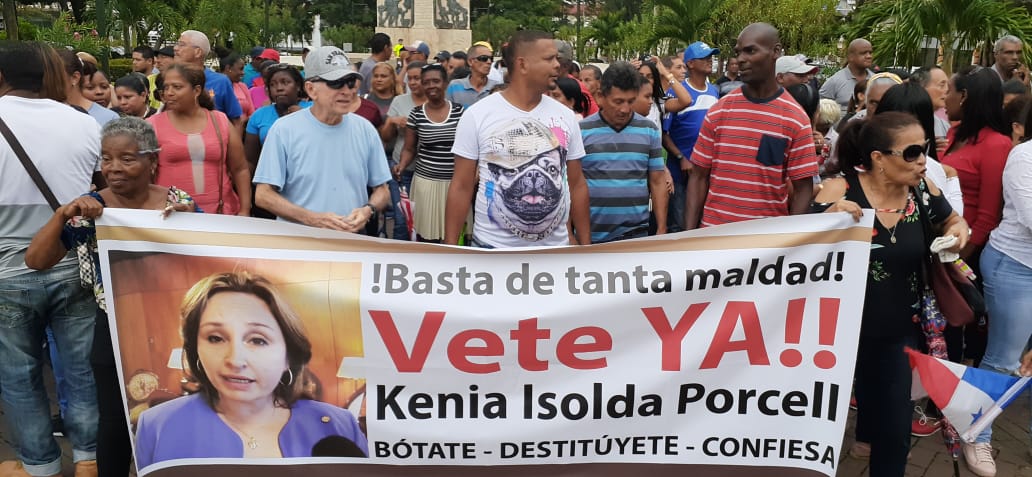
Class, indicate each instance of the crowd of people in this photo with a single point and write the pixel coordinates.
(532, 149)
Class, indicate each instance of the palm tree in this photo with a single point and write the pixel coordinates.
(683, 21)
(606, 32)
(899, 28)
(135, 19)
(10, 11)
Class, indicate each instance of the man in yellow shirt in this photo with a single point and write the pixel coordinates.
(162, 58)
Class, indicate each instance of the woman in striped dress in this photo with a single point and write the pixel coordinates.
(429, 136)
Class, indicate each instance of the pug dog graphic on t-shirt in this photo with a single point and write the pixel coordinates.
(526, 187)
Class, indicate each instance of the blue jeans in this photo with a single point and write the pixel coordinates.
(400, 224)
(28, 303)
(406, 180)
(1007, 282)
(675, 208)
(55, 365)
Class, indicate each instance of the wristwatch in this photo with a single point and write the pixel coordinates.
(371, 207)
(679, 156)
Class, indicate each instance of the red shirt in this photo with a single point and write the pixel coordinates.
(979, 165)
(592, 105)
(368, 109)
(753, 148)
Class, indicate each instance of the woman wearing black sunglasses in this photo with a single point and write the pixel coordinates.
(884, 165)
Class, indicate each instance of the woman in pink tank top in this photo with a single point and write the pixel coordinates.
(200, 150)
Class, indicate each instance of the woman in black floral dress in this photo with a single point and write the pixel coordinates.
(884, 165)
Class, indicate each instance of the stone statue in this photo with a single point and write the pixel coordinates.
(450, 15)
(395, 14)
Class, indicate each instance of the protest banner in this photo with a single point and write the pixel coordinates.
(722, 351)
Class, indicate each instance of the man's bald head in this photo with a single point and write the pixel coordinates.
(858, 44)
(757, 48)
(860, 54)
(763, 33)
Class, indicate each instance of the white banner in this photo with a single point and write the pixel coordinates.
(729, 349)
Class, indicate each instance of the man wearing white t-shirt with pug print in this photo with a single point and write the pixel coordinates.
(526, 148)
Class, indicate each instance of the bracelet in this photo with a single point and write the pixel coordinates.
(372, 208)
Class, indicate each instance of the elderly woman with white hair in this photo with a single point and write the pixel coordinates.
(129, 158)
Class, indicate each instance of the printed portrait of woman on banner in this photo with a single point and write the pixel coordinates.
(247, 352)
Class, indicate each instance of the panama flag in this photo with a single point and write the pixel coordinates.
(970, 398)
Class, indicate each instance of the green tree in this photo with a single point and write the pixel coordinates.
(606, 33)
(345, 12)
(221, 19)
(80, 36)
(807, 26)
(684, 21)
(357, 35)
(290, 17)
(528, 14)
(134, 19)
(899, 29)
(637, 36)
(494, 29)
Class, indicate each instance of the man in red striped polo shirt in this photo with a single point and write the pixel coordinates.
(755, 155)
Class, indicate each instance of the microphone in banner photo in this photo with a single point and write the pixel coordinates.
(248, 353)
(337, 446)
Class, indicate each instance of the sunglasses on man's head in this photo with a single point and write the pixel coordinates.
(483, 58)
(910, 153)
(348, 81)
(278, 67)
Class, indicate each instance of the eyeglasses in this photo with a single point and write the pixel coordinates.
(349, 81)
(483, 58)
(910, 153)
(278, 67)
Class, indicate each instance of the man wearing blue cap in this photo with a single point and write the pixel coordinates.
(683, 123)
(251, 69)
(418, 51)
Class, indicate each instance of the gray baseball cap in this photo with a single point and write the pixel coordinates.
(328, 63)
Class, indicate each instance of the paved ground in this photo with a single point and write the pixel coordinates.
(929, 458)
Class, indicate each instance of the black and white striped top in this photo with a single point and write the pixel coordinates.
(434, 159)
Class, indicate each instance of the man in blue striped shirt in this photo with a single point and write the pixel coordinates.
(624, 162)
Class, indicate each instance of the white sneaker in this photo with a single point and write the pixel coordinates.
(979, 458)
